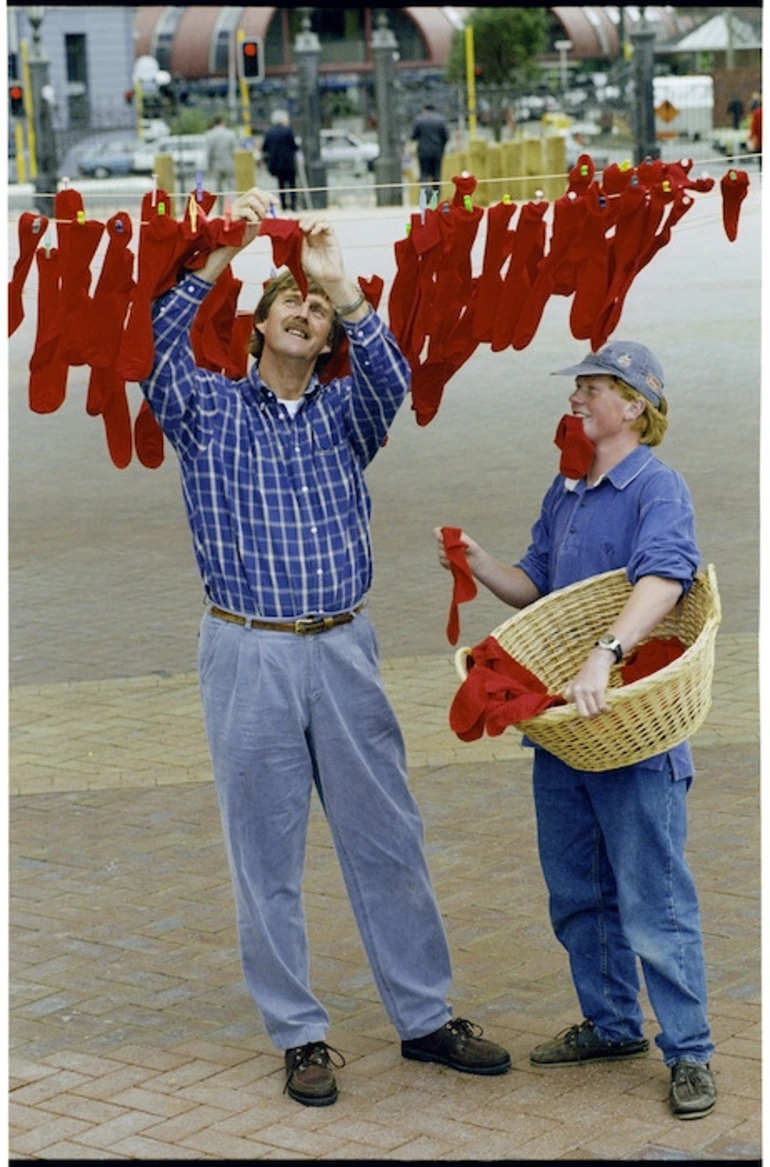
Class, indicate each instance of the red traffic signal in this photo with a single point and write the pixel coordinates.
(16, 100)
(250, 59)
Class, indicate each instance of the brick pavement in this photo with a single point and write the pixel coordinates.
(131, 1033)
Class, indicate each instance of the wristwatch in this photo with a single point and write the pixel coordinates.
(613, 644)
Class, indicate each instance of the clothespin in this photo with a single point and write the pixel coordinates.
(602, 201)
(538, 194)
(666, 185)
(507, 200)
(36, 225)
(408, 228)
(81, 216)
(626, 165)
(154, 189)
(161, 208)
(583, 170)
(272, 211)
(47, 244)
(119, 226)
(65, 182)
(198, 186)
(634, 180)
(467, 202)
(731, 175)
(423, 205)
(433, 201)
(193, 211)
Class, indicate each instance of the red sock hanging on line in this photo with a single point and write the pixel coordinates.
(526, 252)
(48, 371)
(31, 229)
(148, 438)
(734, 188)
(287, 238)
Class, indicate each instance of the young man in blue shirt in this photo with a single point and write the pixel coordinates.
(611, 844)
(272, 469)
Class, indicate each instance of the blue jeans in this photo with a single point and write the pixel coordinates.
(284, 713)
(612, 852)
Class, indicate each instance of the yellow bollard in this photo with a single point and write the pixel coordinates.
(166, 175)
(554, 164)
(21, 161)
(245, 170)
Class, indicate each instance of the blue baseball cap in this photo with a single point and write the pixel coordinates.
(632, 362)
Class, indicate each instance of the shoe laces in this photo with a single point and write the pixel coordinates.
(315, 1053)
(692, 1077)
(571, 1035)
(463, 1028)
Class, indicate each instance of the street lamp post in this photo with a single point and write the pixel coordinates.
(563, 47)
(643, 41)
(387, 168)
(47, 175)
(308, 51)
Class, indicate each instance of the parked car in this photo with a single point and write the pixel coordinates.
(187, 150)
(105, 159)
(340, 147)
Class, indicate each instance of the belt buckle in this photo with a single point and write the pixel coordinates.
(307, 625)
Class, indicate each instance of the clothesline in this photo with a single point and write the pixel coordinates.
(732, 160)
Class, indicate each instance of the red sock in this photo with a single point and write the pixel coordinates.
(107, 398)
(212, 328)
(31, 228)
(526, 252)
(402, 302)
(48, 371)
(582, 174)
(148, 438)
(569, 214)
(464, 584)
(243, 326)
(734, 187)
(78, 250)
(590, 255)
(496, 251)
(577, 451)
(112, 294)
(158, 240)
(287, 238)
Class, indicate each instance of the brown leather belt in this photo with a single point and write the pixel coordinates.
(304, 626)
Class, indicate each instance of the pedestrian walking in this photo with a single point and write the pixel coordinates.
(272, 470)
(221, 144)
(431, 135)
(611, 844)
(279, 152)
(735, 110)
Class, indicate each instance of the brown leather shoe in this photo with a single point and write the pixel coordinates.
(309, 1075)
(459, 1045)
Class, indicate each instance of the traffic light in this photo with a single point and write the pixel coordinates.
(16, 100)
(250, 59)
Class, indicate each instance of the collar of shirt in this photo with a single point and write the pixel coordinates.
(620, 475)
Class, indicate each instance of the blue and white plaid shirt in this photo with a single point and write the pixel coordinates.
(277, 505)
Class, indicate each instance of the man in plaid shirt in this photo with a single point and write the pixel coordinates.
(272, 470)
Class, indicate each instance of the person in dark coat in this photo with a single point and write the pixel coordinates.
(279, 152)
(431, 135)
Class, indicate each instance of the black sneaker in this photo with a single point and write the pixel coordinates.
(693, 1092)
(459, 1045)
(581, 1043)
(309, 1075)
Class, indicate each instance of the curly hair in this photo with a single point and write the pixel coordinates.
(273, 288)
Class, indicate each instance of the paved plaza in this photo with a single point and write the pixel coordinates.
(132, 1035)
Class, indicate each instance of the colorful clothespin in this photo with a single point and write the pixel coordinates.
(467, 202)
(272, 211)
(193, 212)
(433, 201)
(583, 170)
(119, 226)
(47, 244)
(161, 208)
(36, 225)
(423, 205)
(81, 216)
(625, 165)
(198, 186)
(507, 200)
(408, 228)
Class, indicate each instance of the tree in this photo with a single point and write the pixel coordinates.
(505, 44)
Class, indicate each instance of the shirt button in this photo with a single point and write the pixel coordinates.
(320, 571)
(305, 489)
(314, 530)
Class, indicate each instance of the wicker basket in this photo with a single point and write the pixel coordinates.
(552, 638)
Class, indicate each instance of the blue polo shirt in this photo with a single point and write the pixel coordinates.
(639, 516)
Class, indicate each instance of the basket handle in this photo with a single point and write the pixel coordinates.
(461, 662)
